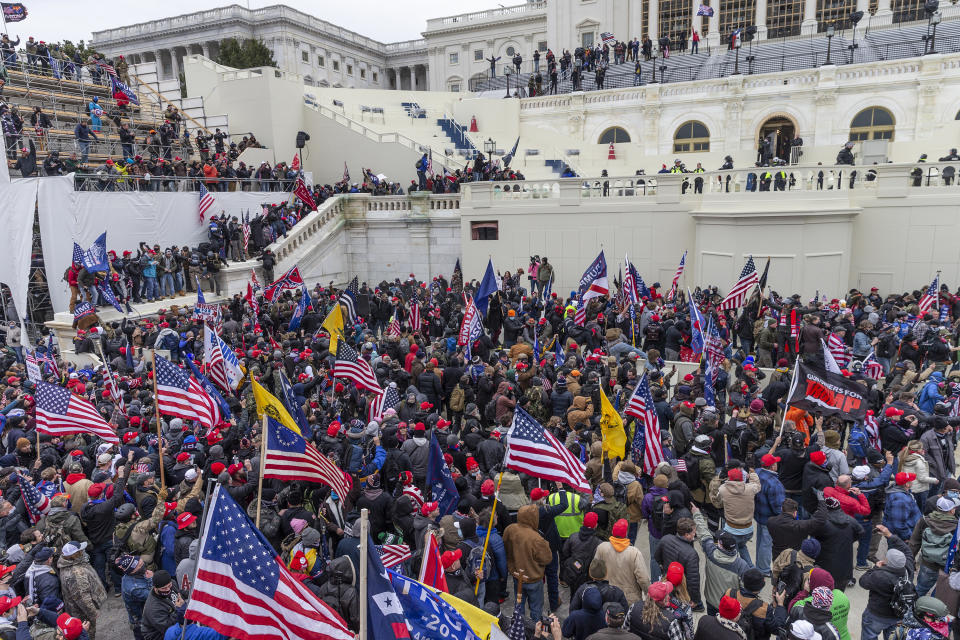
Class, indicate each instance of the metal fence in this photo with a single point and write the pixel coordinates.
(102, 181)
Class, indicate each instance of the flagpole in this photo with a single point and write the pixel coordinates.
(156, 405)
(364, 550)
(263, 461)
(493, 511)
(203, 532)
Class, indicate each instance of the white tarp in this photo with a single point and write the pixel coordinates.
(19, 199)
(68, 216)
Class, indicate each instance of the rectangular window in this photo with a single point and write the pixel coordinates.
(376, 77)
(305, 56)
(321, 61)
(336, 65)
(485, 230)
(542, 46)
(455, 87)
(478, 54)
(586, 40)
(349, 69)
(454, 58)
(363, 74)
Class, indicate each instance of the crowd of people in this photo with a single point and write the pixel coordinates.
(768, 493)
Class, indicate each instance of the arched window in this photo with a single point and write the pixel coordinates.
(873, 123)
(615, 135)
(691, 136)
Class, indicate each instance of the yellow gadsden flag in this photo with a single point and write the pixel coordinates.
(334, 326)
(611, 426)
(268, 405)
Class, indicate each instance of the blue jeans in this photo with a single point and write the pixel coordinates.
(553, 582)
(863, 548)
(764, 549)
(152, 290)
(926, 579)
(873, 625)
(98, 558)
(622, 348)
(742, 548)
(166, 284)
(84, 149)
(178, 281)
(921, 497)
(655, 569)
(533, 595)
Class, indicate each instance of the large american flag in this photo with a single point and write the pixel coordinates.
(180, 395)
(593, 282)
(389, 398)
(206, 201)
(36, 503)
(873, 430)
(872, 367)
(290, 280)
(59, 412)
(244, 591)
(930, 297)
(748, 279)
(393, 554)
(646, 450)
(290, 457)
(630, 278)
(223, 368)
(348, 300)
(535, 451)
(394, 328)
(714, 356)
(350, 365)
(838, 349)
(416, 323)
(676, 278)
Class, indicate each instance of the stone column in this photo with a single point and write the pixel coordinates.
(713, 38)
(864, 5)
(809, 24)
(883, 15)
(761, 19)
(206, 49)
(653, 22)
(159, 59)
(174, 63)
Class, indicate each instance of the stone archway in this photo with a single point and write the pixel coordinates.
(774, 135)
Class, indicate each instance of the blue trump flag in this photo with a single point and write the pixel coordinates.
(107, 293)
(94, 258)
(428, 615)
(440, 480)
(299, 311)
(295, 408)
(385, 615)
(487, 286)
(210, 389)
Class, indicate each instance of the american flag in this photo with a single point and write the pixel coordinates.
(350, 365)
(676, 278)
(930, 297)
(871, 367)
(180, 395)
(33, 364)
(348, 300)
(111, 383)
(394, 328)
(51, 355)
(517, 631)
(36, 503)
(873, 430)
(246, 233)
(254, 306)
(107, 67)
(697, 340)
(393, 554)
(346, 173)
(244, 591)
(290, 280)
(607, 37)
(290, 457)
(838, 349)
(593, 282)
(61, 413)
(829, 362)
(630, 283)
(646, 450)
(389, 398)
(714, 351)
(739, 292)
(254, 280)
(222, 364)
(416, 323)
(580, 317)
(206, 201)
(535, 451)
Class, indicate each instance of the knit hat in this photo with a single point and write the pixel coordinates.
(756, 405)
(818, 457)
(753, 580)
(810, 547)
(675, 573)
(822, 598)
(895, 559)
(487, 488)
(620, 528)
(831, 438)
(803, 630)
(860, 472)
(735, 474)
(729, 608)
(590, 520)
(658, 591)
(903, 478)
(161, 578)
(821, 578)
(661, 481)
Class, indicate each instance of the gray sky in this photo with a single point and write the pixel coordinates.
(55, 20)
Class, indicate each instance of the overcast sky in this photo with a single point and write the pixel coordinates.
(55, 20)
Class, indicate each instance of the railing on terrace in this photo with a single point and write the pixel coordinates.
(85, 181)
(527, 7)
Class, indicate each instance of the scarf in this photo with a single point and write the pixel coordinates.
(730, 625)
(625, 478)
(35, 570)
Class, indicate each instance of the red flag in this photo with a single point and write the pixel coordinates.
(431, 569)
(295, 165)
(303, 193)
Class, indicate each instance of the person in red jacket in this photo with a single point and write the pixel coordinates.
(851, 499)
(71, 277)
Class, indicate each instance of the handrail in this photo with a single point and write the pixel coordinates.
(162, 99)
(85, 181)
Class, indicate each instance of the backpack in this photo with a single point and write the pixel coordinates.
(119, 546)
(490, 411)
(691, 477)
(935, 547)
(904, 596)
(474, 559)
(620, 492)
(457, 399)
(746, 614)
(55, 535)
(792, 577)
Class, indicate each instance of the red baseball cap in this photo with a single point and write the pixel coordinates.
(892, 411)
(449, 557)
(769, 460)
(185, 519)
(903, 478)
(429, 507)
(538, 494)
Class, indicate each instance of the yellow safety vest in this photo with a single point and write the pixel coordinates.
(570, 521)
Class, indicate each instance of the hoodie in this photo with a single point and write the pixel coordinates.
(528, 553)
(941, 525)
(587, 620)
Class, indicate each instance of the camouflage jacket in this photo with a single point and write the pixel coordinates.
(82, 591)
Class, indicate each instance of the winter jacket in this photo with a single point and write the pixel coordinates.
(765, 619)
(675, 549)
(63, 524)
(626, 567)
(582, 546)
(837, 533)
(900, 512)
(852, 505)
(769, 501)
(83, 593)
(608, 592)
(815, 480)
(580, 412)
(715, 628)
(497, 551)
(528, 553)
(723, 568)
(158, 615)
(646, 508)
(738, 501)
(97, 516)
(940, 524)
(418, 449)
(880, 581)
(340, 591)
(586, 620)
(821, 620)
(933, 450)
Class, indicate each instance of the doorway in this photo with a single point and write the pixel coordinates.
(774, 138)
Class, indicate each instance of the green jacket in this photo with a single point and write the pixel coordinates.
(839, 611)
